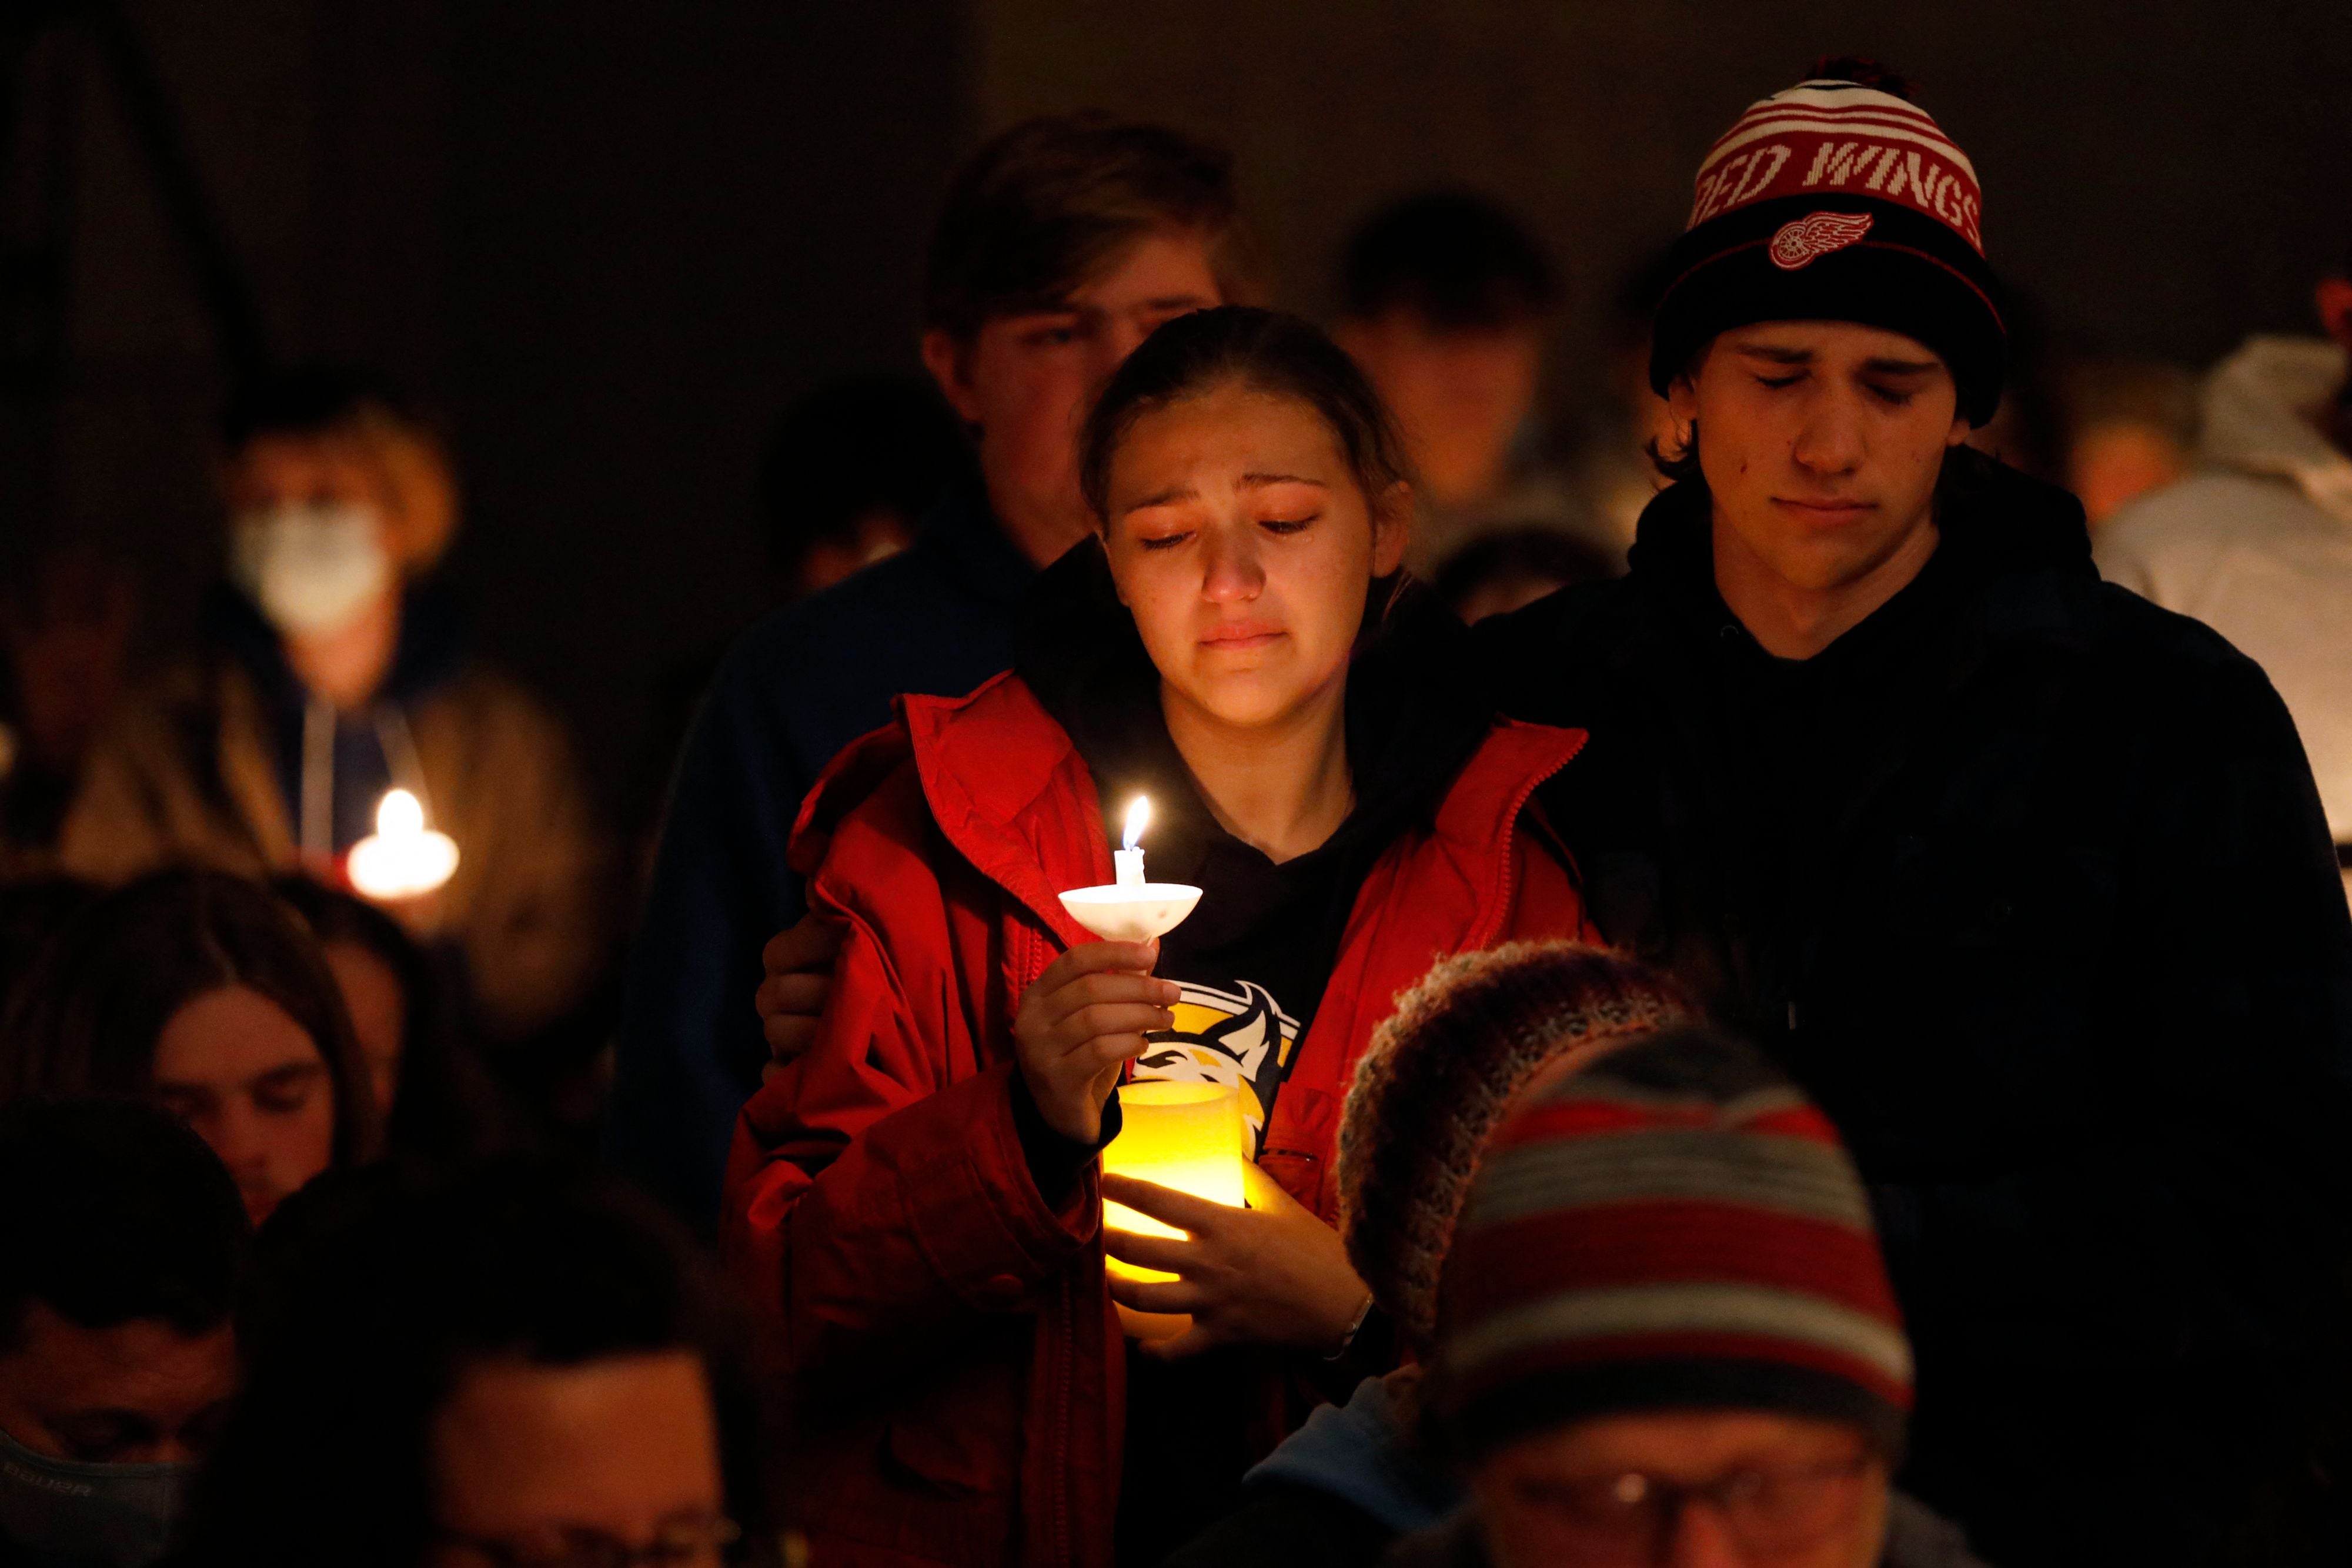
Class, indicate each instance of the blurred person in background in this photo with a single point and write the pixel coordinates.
(1608, 466)
(1444, 299)
(64, 640)
(1500, 573)
(121, 1241)
(511, 1367)
(847, 481)
(849, 476)
(204, 993)
(431, 1093)
(1061, 245)
(2257, 542)
(330, 670)
(2027, 430)
(2131, 428)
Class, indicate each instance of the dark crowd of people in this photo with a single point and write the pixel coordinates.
(1770, 984)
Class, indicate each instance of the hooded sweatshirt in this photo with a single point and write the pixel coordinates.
(2258, 543)
(2026, 882)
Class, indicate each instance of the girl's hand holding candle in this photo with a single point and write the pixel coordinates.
(1081, 1023)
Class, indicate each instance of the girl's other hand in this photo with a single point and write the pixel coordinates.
(1269, 1274)
(1081, 1021)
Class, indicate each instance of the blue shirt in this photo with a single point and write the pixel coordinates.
(798, 688)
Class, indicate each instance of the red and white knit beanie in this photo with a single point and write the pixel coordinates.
(1672, 1227)
(1837, 201)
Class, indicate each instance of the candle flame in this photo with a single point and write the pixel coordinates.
(400, 814)
(404, 858)
(1139, 817)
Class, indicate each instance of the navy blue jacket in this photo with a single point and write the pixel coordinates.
(797, 688)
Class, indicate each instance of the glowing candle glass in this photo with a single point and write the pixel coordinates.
(402, 858)
(1188, 1136)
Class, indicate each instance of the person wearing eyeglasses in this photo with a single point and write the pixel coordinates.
(1664, 1334)
(1647, 1316)
(508, 1367)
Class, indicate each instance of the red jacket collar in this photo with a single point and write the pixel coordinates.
(1010, 792)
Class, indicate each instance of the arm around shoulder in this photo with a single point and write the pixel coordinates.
(877, 1187)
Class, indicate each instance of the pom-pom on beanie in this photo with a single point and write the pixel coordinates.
(1436, 1080)
(1672, 1226)
(1837, 201)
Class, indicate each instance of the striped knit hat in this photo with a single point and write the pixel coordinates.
(1837, 201)
(1673, 1226)
(1438, 1076)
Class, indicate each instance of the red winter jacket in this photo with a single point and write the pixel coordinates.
(955, 1367)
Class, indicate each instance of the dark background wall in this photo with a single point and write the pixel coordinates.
(605, 241)
(2164, 174)
(608, 241)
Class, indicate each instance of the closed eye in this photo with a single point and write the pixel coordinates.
(1776, 382)
(1162, 542)
(287, 1089)
(1289, 524)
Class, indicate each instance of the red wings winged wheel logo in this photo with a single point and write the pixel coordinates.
(1798, 243)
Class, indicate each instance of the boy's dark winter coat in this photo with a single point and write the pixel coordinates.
(2027, 881)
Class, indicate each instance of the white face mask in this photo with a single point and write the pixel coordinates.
(101, 1516)
(310, 567)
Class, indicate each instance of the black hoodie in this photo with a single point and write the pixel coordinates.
(2026, 881)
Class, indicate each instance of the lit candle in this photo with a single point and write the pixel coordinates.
(402, 858)
(1185, 1135)
(1129, 859)
(1130, 909)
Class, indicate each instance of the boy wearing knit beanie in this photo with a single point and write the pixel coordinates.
(2025, 879)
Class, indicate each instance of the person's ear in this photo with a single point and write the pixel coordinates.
(1961, 430)
(1391, 528)
(1681, 403)
(947, 358)
(2334, 298)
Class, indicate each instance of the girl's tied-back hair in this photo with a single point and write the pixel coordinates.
(1267, 351)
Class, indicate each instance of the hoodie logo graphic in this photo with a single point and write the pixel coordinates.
(1801, 243)
(1241, 1039)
